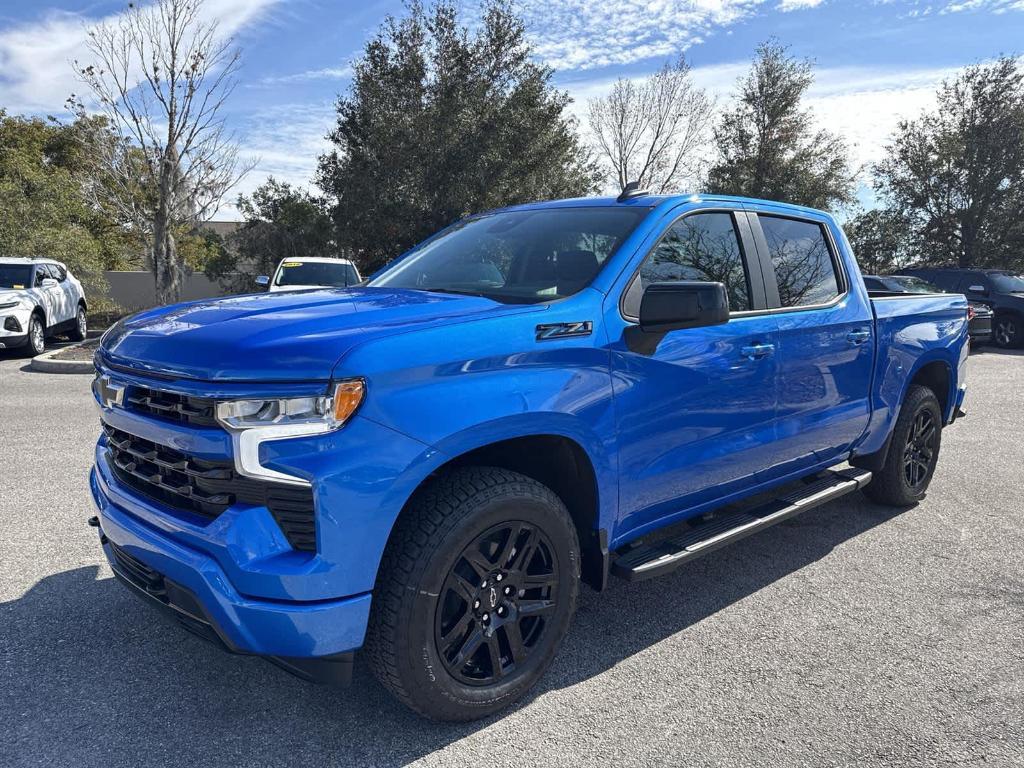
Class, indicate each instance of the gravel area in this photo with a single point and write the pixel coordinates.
(852, 635)
(83, 351)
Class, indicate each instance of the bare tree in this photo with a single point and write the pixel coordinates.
(161, 74)
(653, 131)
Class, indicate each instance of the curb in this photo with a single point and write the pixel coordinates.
(45, 363)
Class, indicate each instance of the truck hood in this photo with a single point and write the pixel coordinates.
(286, 336)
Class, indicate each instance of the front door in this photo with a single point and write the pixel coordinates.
(694, 408)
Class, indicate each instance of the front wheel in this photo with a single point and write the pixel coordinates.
(36, 343)
(475, 594)
(913, 452)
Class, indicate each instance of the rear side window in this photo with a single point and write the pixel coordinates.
(702, 246)
(59, 273)
(804, 268)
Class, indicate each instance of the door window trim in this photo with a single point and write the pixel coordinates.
(748, 256)
(771, 281)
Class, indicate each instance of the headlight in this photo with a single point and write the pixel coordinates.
(252, 422)
(319, 414)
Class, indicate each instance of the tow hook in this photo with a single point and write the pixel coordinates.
(94, 522)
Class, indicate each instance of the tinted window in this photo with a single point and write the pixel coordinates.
(15, 275)
(803, 264)
(1007, 283)
(316, 273)
(874, 284)
(909, 284)
(704, 246)
(41, 274)
(517, 256)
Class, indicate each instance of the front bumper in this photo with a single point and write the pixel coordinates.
(301, 636)
(13, 341)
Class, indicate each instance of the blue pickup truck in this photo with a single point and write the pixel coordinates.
(427, 466)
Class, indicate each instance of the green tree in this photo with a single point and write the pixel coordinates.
(956, 173)
(880, 240)
(767, 142)
(280, 222)
(443, 120)
(46, 171)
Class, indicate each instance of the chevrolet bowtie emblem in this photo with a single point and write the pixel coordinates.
(109, 393)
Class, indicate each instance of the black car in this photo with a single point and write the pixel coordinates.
(980, 326)
(1000, 290)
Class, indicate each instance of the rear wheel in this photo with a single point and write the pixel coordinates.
(1007, 332)
(81, 325)
(913, 452)
(476, 592)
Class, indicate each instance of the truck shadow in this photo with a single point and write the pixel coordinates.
(91, 676)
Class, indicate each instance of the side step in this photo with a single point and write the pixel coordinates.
(707, 535)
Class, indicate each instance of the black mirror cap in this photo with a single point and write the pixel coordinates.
(683, 304)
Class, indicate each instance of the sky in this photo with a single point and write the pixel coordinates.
(876, 61)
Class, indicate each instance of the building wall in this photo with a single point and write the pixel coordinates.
(136, 290)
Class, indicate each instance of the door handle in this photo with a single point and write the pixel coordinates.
(757, 351)
(859, 336)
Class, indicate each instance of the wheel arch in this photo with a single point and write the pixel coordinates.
(567, 463)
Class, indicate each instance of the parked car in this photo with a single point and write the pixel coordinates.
(979, 315)
(1002, 291)
(39, 298)
(303, 274)
(430, 465)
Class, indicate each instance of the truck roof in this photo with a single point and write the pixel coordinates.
(650, 201)
(318, 259)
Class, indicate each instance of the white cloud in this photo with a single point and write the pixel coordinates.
(287, 139)
(36, 73)
(797, 5)
(327, 73)
(996, 6)
(582, 34)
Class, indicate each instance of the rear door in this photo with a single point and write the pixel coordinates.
(824, 326)
(694, 408)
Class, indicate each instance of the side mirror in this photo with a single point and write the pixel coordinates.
(48, 282)
(263, 281)
(684, 304)
(979, 289)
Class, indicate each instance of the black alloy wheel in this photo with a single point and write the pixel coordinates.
(494, 607)
(919, 451)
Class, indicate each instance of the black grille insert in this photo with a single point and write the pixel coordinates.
(207, 488)
(185, 409)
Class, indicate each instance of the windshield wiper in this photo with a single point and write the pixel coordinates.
(459, 291)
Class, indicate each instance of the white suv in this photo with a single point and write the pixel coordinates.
(306, 272)
(38, 298)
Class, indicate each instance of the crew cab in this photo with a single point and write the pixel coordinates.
(39, 298)
(428, 466)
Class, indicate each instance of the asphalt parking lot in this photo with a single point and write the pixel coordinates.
(853, 635)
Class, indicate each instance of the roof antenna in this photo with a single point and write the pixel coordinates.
(632, 189)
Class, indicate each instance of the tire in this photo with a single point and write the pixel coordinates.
(35, 344)
(913, 452)
(81, 328)
(1007, 331)
(464, 525)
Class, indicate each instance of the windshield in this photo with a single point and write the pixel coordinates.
(1007, 283)
(15, 275)
(517, 256)
(316, 273)
(913, 285)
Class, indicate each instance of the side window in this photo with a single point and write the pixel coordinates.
(702, 246)
(41, 274)
(804, 269)
(59, 273)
